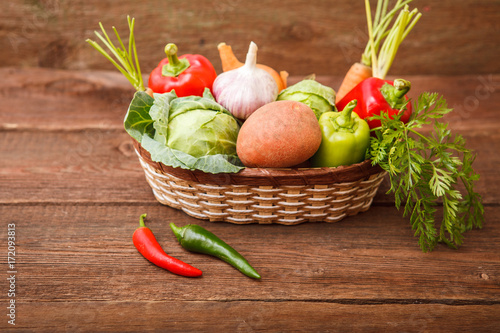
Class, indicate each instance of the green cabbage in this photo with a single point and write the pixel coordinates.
(192, 132)
(318, 97)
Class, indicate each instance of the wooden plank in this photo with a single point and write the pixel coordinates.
(252, 316)
(71, 166)
(70, 100)
(63, 100)
(74, 100)
(69, 253)
(100, 166)
(324, 39)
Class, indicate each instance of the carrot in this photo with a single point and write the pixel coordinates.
(383, 40)
(227, 57)
(284, 78)
(149, 91)
(357, 73)
(230, 62)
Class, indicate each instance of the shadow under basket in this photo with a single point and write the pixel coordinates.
(286, 196)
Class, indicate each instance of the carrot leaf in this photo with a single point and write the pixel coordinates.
(384, 38)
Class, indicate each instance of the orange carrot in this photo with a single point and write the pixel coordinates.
(149, 91)
(227, 57)
(284, 78)
(357, 73)
(230, 62)
(383, 43)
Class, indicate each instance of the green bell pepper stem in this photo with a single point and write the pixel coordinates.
(195, 238)
(395, 94)
(345, 120)
(175, 65)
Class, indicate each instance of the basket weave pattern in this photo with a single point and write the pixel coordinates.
(282, 196)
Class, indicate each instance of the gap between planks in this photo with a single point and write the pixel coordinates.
(344, 301)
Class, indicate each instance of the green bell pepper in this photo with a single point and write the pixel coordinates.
(345, 138)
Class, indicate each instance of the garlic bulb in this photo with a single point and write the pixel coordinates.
(245, 89)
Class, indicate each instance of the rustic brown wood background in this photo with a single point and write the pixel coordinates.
(300, 36)
(72, 185)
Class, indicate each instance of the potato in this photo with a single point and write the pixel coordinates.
(278, 135)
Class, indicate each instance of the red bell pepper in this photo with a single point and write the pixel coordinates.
(188, 74)
(375, 96)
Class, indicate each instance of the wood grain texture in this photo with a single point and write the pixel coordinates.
(255, 316)
(81, 100)
(85, 253)
(324, 38)
(78, 270)
(72, 185)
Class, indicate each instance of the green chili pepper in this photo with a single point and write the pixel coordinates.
(345, 138)
(195, 238)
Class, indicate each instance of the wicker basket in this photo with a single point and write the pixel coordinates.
(259, 195)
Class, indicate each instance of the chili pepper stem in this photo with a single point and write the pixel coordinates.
(345, 118)
(178, 231)
(175, 65)
(141, 221)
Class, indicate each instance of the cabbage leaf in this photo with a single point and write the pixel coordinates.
(318, 97)
(194, 133)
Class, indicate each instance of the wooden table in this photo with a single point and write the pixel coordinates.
(73, 190)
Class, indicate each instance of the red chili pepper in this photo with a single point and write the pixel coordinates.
(375, 95)
(145, 242)
(188, 74)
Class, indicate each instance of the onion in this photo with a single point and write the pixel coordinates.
(245, 89)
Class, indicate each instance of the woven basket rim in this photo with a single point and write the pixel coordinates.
(269, 176)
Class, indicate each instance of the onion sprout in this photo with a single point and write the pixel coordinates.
(126, 61)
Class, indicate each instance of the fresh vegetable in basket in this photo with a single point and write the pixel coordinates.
(245, 89)
(192, 132)
(428, 171)
(383, 44)
(230, 62)
(198, 239)
(375, 96)
(278, 135)
(318, 97)
(188, 74)
(345, 138)
(146, 243)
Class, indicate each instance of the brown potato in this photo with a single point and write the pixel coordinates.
(278, 135)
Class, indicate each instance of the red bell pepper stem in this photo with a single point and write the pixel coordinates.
(146, 243)
(402, 87)
(175, 66)
(395, 94)
(187, 74)
(376, 96)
